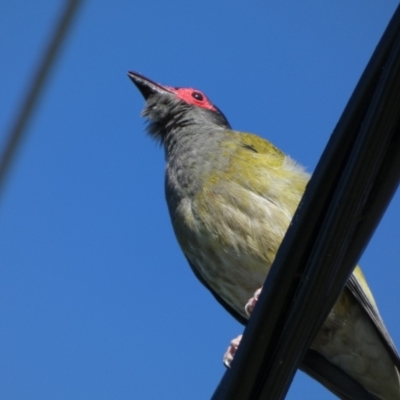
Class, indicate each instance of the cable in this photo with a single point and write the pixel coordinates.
(18, 128)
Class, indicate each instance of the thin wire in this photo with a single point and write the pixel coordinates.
(18, 128)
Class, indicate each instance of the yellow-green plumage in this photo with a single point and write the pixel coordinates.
(235, 223)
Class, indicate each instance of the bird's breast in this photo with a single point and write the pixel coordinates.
(230, 235)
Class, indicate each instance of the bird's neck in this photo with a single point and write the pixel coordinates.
(190, 154)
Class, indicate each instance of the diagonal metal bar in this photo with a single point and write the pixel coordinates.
(352, 185)
(18, 128)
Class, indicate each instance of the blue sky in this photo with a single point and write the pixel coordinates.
(96, 299)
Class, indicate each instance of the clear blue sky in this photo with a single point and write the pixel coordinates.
(96, 299)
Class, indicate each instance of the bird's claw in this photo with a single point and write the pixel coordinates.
(230, 353)
(249, 307)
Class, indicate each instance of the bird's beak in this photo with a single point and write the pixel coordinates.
(146, 86)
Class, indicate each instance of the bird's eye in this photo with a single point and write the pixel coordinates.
(198, 96)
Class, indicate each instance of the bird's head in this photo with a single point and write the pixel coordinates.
(168, 108)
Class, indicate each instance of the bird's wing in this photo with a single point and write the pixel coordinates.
(314, 364)
(333, 378)
(359, 289)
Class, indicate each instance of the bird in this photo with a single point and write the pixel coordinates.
(231, 196)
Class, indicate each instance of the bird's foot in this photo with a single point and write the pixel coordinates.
(249, 307)
(230, 353)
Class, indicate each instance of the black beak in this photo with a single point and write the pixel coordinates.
(146, 86)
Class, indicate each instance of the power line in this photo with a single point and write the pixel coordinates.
(18, 127)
